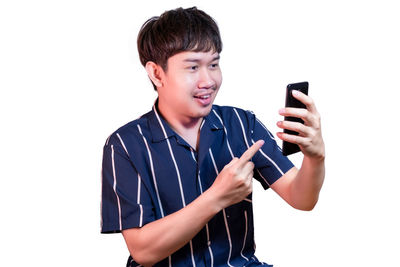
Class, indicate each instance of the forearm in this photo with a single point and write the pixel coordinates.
(159, 239)
(307, 184)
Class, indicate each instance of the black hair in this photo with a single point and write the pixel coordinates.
(177, 31)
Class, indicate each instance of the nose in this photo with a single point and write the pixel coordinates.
(206, 79)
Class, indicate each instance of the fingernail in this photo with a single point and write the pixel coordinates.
(295, 92)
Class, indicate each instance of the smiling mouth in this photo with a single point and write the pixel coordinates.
(203, 96)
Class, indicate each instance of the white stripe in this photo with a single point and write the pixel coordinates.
(173, 158)
(202, 123)
(191, 251)
(247, 144)
(223, 211)
(209, 246)
(248, 200)
(213, 161)
(194, 158)
(261, 151)
(273, 162)
(177, 172)
(115, 187)
(207, 231)
(201, 187)
(138, 201)
(139, 183)
(245, 236)
(229, 237)
(141, 216)
(123, 144)
(152, 170)
(169, 261)
(226, 133)
(138, 191)
(270, 135)
(265, 180)
(241, 124)
(108, 139)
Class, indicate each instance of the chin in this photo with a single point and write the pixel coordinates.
(202, 112)
(206, 110)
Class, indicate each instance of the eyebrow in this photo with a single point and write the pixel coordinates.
(198, 60)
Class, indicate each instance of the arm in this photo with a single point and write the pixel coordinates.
(159, 239)
(300, 188)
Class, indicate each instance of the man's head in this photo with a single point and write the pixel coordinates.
(180, 51)
(177, 31)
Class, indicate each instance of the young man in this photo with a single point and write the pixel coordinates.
(177, 182)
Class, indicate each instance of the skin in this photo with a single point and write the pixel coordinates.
(190, 76)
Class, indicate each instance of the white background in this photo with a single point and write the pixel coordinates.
(70, 75)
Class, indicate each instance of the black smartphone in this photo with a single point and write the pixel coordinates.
(291, 148)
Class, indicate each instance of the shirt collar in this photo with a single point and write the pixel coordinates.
(160, 129)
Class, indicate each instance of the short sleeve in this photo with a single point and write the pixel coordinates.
(270, 163)
(125, 201)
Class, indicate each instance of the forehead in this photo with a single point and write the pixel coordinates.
(191, 56)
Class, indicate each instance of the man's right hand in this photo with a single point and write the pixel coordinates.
(235, 182)
(160, 238)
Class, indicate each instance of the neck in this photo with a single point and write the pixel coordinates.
(188, 128)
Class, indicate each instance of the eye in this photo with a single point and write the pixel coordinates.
(214, 65)
(195, 67)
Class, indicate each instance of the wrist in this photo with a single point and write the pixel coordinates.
(315, 160)
(214, 203)
(316, 155)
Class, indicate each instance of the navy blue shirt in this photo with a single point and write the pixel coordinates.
(149, 172)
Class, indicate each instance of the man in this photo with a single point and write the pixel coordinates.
(177, 182)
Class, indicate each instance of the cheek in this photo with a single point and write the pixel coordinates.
(183, 80)
(218, 78)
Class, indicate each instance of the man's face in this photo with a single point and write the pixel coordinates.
(190, 85)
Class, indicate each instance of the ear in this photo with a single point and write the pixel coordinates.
(155, 73)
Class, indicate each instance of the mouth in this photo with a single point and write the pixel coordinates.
(204, 99)
(203, 96)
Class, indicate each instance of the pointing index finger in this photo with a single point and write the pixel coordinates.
(251, 151)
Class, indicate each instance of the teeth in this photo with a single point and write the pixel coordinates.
(204, 96)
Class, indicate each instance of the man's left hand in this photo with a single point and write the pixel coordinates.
(310, 137)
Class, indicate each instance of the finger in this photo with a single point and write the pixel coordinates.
(305, 99)
(294, 126)
(249, 153)
(308, 117)
(249, 180)
(248, 167)
(295, 139)
(233, 161)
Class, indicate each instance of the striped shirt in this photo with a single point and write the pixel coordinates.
(149, 172)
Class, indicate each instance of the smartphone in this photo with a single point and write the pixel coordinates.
(291, 148)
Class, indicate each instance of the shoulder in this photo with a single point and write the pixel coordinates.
(130, 134)
(234, 116)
